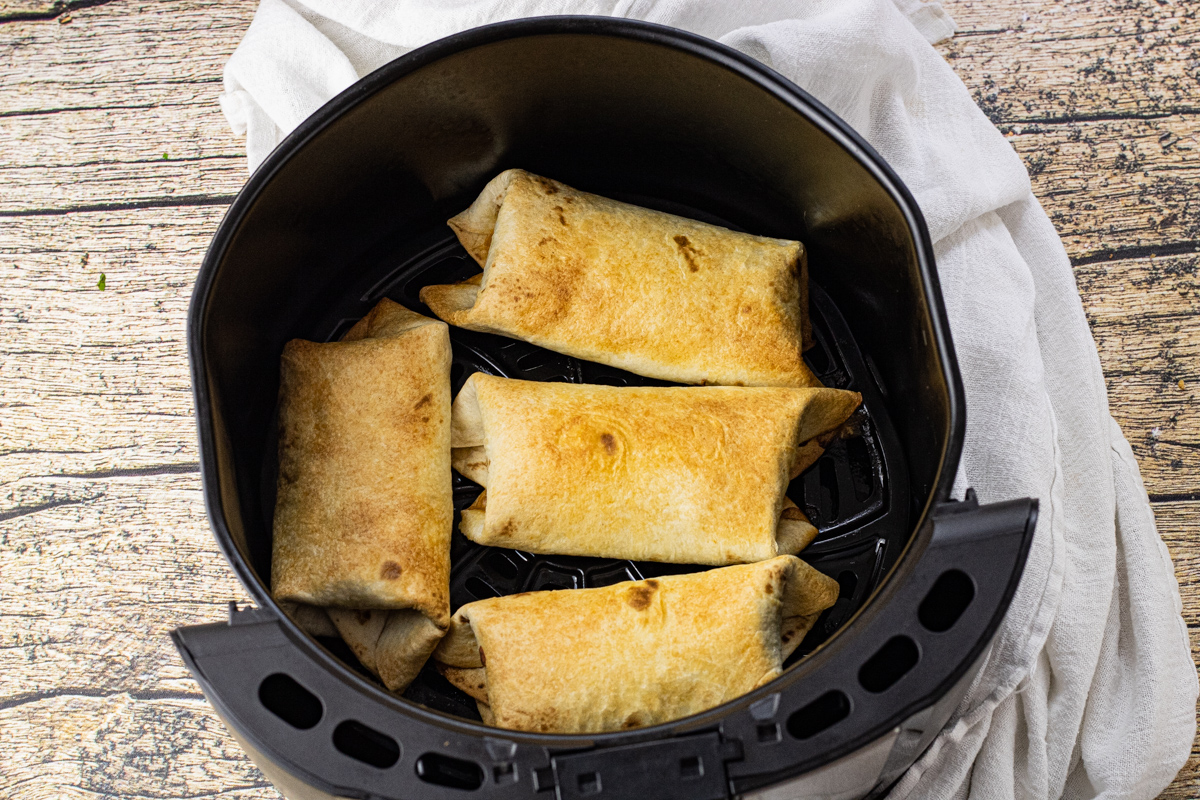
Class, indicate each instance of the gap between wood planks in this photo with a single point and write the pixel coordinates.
(35, 11)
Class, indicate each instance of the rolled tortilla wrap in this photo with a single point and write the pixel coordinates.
(393, 645)
(649, 292)
(364, 515)
(313, 620)
(692, 475)
(632, 654)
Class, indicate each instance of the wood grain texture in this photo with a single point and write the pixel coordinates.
(1177, 524)
(103, 538)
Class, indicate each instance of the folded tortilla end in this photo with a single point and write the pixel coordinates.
(387, 319)
(313, 620)
(804, 457)
(471, 680)
(795, 531)
(360, 630)
(807, 591)
(451, 302)
(474, 226)
(407, 641)
(466, 419)
(459, 647)
(472, 463)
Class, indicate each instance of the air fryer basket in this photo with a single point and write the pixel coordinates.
(352, 207)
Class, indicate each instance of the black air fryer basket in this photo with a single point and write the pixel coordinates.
(352, 207)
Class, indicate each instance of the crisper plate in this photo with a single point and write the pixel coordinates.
(856, 493)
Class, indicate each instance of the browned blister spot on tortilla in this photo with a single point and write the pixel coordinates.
(561, 217)
(769, 588)
(424, 401)
(507, 529)
(639, 595)
(363, 617)
(482, 657)
(610, 443)
(544, 299)
(390, 571)
(689, 252)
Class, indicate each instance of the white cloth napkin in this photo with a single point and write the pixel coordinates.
(1089, 688)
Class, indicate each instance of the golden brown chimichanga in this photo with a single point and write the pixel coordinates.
(364, 510)
(648, 292)
(633, 654)
(692, 475)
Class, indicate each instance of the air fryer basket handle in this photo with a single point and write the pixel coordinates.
(911, 646)
(908, 648)
(324, 729)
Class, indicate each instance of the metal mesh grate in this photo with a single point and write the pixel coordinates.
(856, 493)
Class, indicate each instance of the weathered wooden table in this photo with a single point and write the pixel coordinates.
(115, 168)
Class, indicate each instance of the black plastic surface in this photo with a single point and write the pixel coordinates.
(687, 768)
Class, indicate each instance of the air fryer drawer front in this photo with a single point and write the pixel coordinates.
(342, 735)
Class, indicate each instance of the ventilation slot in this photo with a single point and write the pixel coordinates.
(946, 601)
(826, 711)
(589, 783)
(504, 773)
(862, 471)
(479, 589)
(818, 357)
(768, 733)
(365, 744)
(610, 575)
(829, 487)
(550, 576)
(889, 664)
(452, 772)
(847, 581)
(285, 698)
(502, 566)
